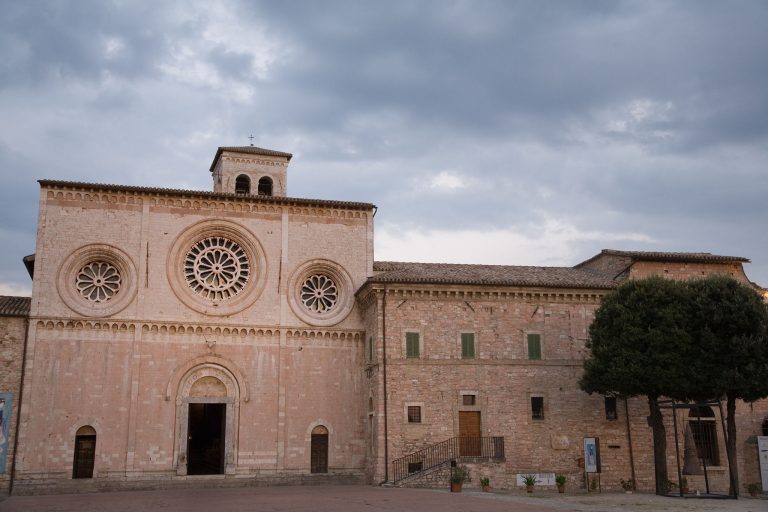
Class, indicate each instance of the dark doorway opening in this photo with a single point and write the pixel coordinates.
(205, 448)
(319, 450)
(85, 452)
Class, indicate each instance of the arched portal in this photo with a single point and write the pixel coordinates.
(207, 415)
(319, 450)
(85, 452)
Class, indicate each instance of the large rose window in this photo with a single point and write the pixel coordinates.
(216, 268)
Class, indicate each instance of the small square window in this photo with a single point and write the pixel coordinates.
(468, 399)
(414, 414)
(534, 346)
(412, 344)
(537, 407)
(610, 408)
(467, 345)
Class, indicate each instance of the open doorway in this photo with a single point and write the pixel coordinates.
(205, 445)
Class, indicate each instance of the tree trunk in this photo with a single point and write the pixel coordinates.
(730, 444)
(659, 446)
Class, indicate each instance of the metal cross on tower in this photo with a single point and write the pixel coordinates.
(251, 137)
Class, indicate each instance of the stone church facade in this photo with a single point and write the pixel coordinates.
(242, 336)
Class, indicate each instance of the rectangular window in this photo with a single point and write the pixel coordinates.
(534, 346)
(414, 414)
(468, 399)
(411, 344)
(610, 408)
(467, 345)
(537, 407)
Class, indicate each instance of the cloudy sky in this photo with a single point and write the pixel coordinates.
(528, 132)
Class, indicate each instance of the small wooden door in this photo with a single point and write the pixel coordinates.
(319, 450)
(85, 455)
(469, 433)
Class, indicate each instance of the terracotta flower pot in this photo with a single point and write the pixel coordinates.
(528, 488)
(561, 489)
(486, 488)
(455, 487)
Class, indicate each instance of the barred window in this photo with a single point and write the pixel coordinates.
(610, 408)
(414, 414)
(537, 407)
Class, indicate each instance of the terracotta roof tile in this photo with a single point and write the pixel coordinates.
(499, 275)
(14, 306)
(685, 257)
(248, 149)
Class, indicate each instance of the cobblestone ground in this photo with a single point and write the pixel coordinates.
(369, 499)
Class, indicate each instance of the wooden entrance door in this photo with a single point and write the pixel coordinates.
(469, 433)
(85, 454)
(319, 450)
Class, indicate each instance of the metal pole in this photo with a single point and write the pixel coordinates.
(701, 455)
(677, 450)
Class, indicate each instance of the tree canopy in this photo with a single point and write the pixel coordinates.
(687, 340)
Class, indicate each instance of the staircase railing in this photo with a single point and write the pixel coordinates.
(444, 451)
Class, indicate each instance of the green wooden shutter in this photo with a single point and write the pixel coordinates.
(411, 344)
(534, 346)
(467, 345)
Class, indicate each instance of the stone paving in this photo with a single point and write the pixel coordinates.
(363, 498)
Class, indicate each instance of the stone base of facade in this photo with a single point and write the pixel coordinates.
(53, 484)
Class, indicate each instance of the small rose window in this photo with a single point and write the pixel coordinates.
(319, 293)
(98, 281)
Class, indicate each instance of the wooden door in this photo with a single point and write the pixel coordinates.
(85, 454)
(469, 433)
(319, 450)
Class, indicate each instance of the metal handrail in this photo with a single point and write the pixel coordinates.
(444, 451)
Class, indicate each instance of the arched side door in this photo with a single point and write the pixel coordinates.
(85, 452)
(319, 450)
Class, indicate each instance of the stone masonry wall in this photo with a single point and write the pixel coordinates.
(11, 350)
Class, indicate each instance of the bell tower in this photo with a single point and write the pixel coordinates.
(249, 170)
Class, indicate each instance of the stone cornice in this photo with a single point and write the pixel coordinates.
(200, 200)
(367, 293)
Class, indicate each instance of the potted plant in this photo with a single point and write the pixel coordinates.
(684, 485)
(560, 481)
(529, 481)
(627, 485)
(670, 486)
(485, 483)
(459, 475)
(752, 489)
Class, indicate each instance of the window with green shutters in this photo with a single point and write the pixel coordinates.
(534, 346)
(467, 345)
(411, 344)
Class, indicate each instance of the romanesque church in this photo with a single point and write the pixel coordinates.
(240, 336)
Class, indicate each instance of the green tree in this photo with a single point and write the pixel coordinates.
(641, 345)
(729, 322)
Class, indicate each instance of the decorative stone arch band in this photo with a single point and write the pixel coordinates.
(207, 383)
(217, 267)
(97, 280)
(320, 292)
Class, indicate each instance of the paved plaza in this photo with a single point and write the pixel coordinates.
(362, 498)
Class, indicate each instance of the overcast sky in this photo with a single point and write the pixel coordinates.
(530, 133)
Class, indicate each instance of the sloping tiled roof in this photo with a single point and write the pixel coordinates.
(295, 201)
(683, 257)
(500, 275)
(248, 149)
(14, 306)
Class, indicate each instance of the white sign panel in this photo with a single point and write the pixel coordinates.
(762, 449)
(591, 455)
(541, 479)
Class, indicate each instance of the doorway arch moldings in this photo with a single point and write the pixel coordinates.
(207, 380)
